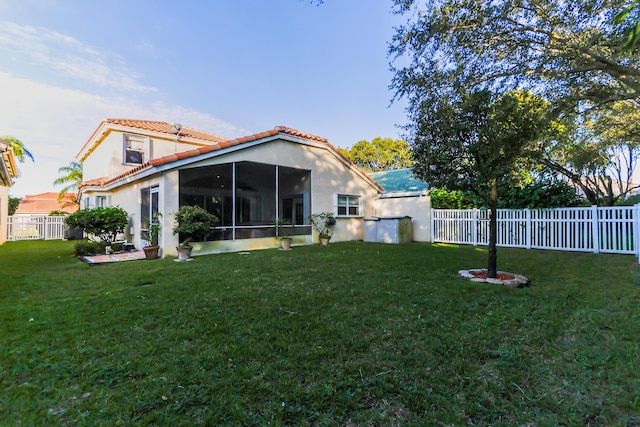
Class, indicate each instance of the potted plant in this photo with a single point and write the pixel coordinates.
(284, 231)
(150, 238)
(192, 223)
(323, 223)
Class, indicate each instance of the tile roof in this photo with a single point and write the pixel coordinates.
(45, 203)
(399, 181)
(187, 134)
(100, 182)
(164, 127)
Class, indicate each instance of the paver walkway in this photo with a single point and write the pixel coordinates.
(104, 259)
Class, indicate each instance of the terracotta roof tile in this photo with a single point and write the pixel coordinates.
(164, 127)
(45, 203)
(95, 182)
(221, 145)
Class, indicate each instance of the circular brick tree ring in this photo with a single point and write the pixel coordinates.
(479, 275)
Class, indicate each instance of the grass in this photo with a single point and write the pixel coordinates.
(350, 334)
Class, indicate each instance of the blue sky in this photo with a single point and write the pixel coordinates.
(230, 67)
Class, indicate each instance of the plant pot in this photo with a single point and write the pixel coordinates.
(184, 252)
(151, 252)
(285, 243)
(324, 241)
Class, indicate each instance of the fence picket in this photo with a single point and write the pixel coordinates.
(593, 229)
(36, 227)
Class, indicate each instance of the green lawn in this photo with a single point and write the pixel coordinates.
(350, 334)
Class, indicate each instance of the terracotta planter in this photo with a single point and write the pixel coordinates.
(324, 241)
(151, 252)
(285, 243)
(184, 252)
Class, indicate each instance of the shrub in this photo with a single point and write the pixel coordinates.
(441, 198)
(323, 223)
(629, 201)
(89, 248)
(193, 223)
(539, 194)
(102, 223)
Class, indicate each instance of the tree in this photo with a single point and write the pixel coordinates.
(543, 192)
(597, 152)
(629, 21)
(381, 154)
(478, 142)
(568, 51)
(14, 202)
(73, 178)
(102, 223)
(19, 150)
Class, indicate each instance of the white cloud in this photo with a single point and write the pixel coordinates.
(54, 123)
(69, 57)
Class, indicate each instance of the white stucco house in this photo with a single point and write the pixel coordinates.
(149, 167)
(8, 172)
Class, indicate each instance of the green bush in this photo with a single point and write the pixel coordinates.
(88, 248)
(102, 223)
(629, 201)
(441, 198)
(540, 194)
(193, 223)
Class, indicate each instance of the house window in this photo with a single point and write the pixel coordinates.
(133, 152)
(349, 205)
(102, 201)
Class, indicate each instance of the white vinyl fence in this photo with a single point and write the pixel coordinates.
(36, 227)
(593, 229)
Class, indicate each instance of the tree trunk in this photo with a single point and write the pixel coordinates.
(492, 264)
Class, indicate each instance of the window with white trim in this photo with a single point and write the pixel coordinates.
(134, 150)
(102, 201)
(348, 205)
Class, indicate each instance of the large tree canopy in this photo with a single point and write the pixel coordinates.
(568, 50)
(479, 142)
(381, 154)
(629, 21)
(598, 152)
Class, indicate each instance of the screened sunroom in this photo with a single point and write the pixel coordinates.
(248, 197)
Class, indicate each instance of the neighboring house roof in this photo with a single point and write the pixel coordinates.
(180, 158)
(146, 127)
(45, 203)
(8, 167)
(400, 182)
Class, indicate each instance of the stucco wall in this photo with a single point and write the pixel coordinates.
(128, 198)
(418, 208)
(106, 159)
(329, 175)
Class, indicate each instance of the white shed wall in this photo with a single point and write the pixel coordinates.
(417, 207)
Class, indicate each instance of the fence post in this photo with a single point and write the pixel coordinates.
(595, 229)
(46, 228)
(433, 225)
(474, 226)
(527, 224)
(636, 230)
